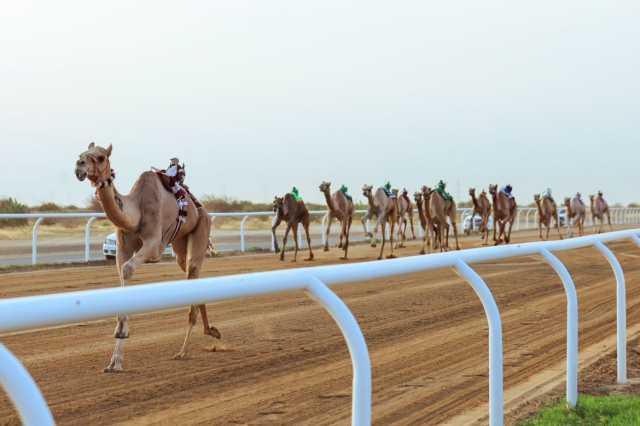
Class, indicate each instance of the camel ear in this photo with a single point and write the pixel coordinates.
(91, 145)
(109, 148)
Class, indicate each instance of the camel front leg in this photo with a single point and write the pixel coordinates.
(609, 221)
(392, 226)
(327, 232)
(151, 249)
(558, 226)
(284, 241)
(495, 226)
(413, 232)
(364, 220)
(275, 225)
(455, 234)
(127, 244)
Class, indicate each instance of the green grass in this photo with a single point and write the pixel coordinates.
(591, 410)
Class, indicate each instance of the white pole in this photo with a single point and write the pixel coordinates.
(23, 391)
(242, 244)
(496, 384)
(87, 239)
(572, 325)
(621, 310)
(34, 241)
(361, 394)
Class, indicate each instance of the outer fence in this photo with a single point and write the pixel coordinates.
(526, 219)
(65, 308)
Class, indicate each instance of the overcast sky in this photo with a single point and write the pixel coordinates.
(257, 96)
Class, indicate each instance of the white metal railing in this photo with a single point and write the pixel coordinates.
(66, 308)
(525, 219)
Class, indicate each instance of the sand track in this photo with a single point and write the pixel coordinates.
(285, 361)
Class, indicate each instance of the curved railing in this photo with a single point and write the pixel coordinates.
(65, 308)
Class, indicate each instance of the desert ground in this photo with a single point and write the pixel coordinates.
(282, 359)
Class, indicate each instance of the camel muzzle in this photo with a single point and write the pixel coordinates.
(81, 175)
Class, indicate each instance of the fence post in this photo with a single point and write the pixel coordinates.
(496, 385)
(621, 310)
(572, 325)
(34, 241)
(242, 244)
(23, 391)
(87, 239)
(361, 394)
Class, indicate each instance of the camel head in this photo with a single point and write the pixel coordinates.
(592, 197)
(483, 193)
(425, 190)
(472, 192)
(418, 197)
(367, 191)
(278, 202)
(94, 164)
(567, 201)
(493, 189)
(536, 198)
(325, 187)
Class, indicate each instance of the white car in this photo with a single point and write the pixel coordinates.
(468, 228)
(111, 242)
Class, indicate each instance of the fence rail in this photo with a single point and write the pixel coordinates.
(526, 219)
(66, 308)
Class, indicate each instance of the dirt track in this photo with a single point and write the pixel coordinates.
(285, 361)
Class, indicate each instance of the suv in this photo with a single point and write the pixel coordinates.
(468, 227)
(111, 242)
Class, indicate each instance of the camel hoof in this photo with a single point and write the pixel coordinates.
(344, 258)
(391, 256)
(113, 369)
(325, 249)
(379, 257)
(309, 259)
(281, 258)
(179, 355)
(213, 332)
(293, 261)
(422, 252)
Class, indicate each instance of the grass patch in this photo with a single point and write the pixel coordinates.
(591, 410)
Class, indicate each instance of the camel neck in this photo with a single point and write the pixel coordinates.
(474, 200)
(327, 197)
(113, 205)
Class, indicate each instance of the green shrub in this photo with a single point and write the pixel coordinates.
(11, 205)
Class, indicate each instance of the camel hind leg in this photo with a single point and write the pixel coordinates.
(190, 254)
(384, 236)
(455, 233)
(392, 226)
(327, 232)
(305, 225)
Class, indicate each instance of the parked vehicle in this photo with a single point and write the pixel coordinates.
(468, 228)
(111, 242)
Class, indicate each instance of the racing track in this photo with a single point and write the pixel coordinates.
(284, 360)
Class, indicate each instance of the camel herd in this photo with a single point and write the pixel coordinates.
(150, 217)
(436, 213)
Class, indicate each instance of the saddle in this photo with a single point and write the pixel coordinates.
(182, 195)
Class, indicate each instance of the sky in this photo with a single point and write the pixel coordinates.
(258, 96)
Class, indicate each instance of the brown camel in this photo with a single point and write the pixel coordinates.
(482, 207)
(405, 215)
(340, 208)
(600, 209)
(504, 212)
(442, 212)
(424, 219)
(385, 209)
(145, 220)
(547, 210)
(576, 211)
(293, 213)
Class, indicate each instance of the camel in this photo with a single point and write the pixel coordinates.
(547, 209)
(504, 212)
(424, 219)
(441, 212)
(576, 212)
(145, 221)
(482, 207)
(341, 208)
(385, 209)
(405, 215)
(293, 213)
(600, 209)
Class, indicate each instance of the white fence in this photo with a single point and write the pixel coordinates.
(525, 219)
(66, 308)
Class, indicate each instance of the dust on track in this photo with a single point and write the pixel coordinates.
(284, 360)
